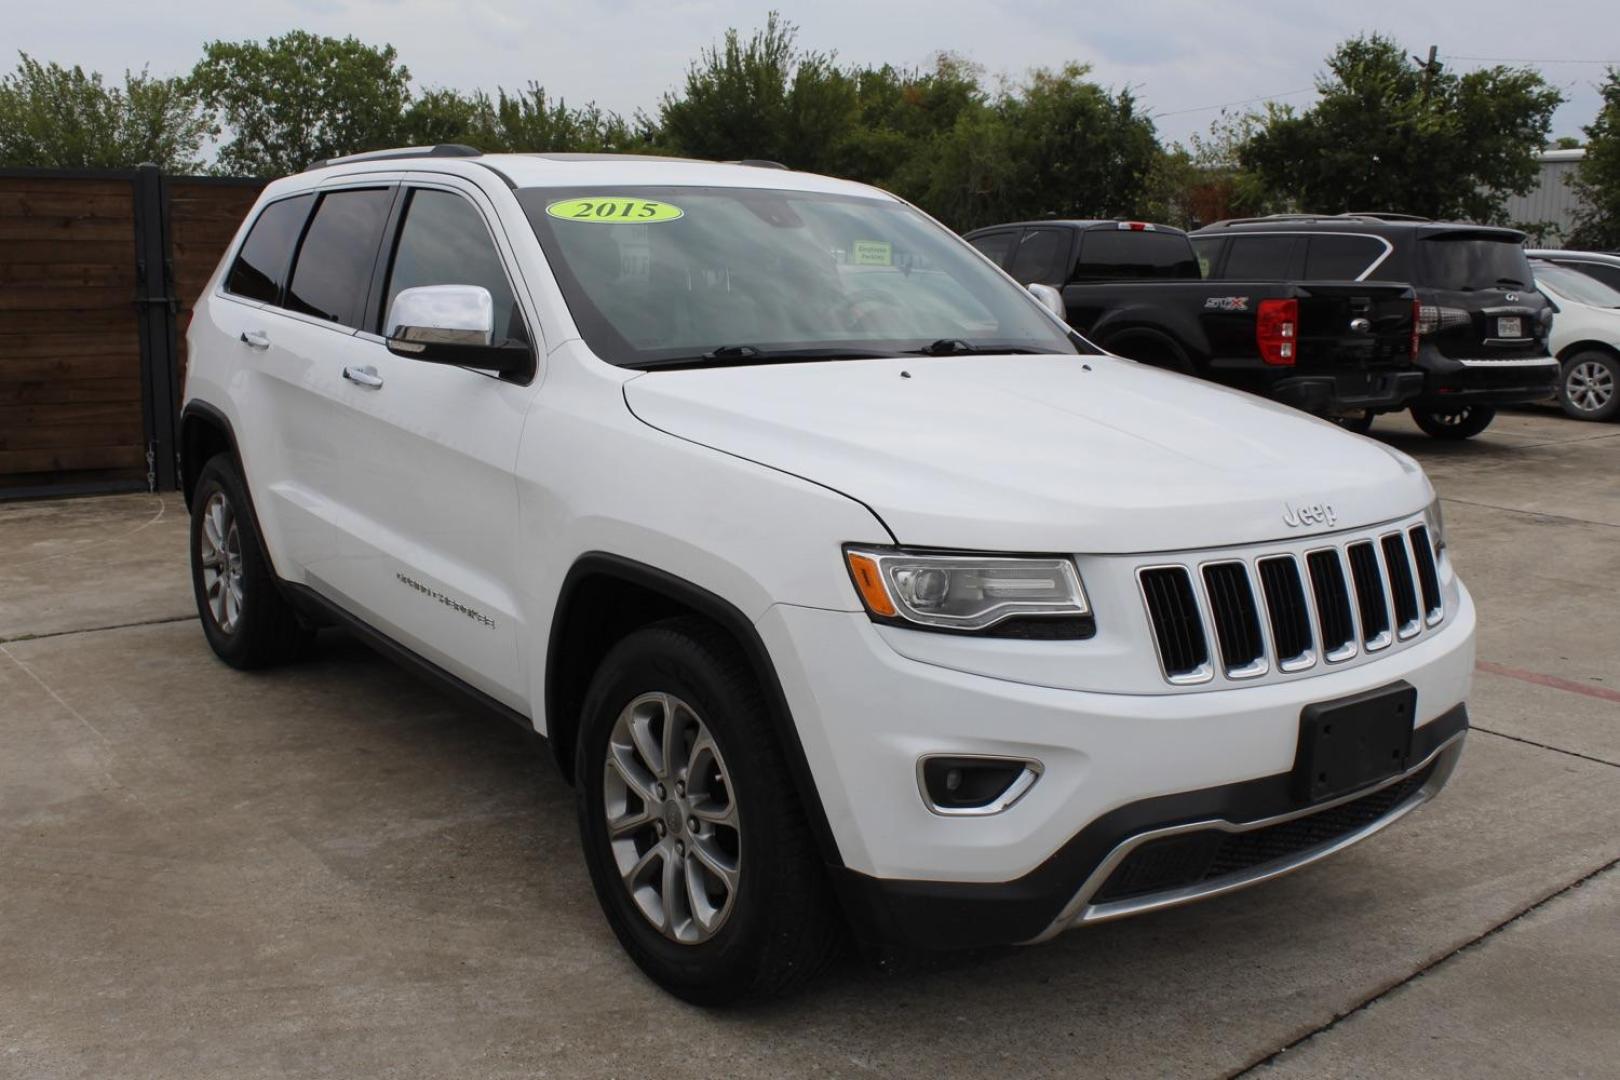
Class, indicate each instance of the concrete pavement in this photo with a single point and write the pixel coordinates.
(332, 870)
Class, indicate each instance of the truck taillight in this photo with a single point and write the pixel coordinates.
(1276, 331)
(1417, 322)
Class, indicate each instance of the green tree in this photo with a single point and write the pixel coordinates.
(762, 98)
(527, 121)
(1597, 180)
(1081, 151)
(301, 97)
(1390, 134)
(62, 118)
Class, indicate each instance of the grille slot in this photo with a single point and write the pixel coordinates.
(1290, 619)
(1428, 577)
(1240, 616)
(1332, 605)
(1402, 589)
(1236, 618)
(1370, 603)
(1177, 625)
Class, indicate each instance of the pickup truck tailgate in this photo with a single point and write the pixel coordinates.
(1354, 324)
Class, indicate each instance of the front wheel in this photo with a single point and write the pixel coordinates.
(698, 849)
(1460, 422)
(1588, 388)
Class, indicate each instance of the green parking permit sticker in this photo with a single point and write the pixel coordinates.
(873, 253)
(614, 210)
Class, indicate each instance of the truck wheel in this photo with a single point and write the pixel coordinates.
(699, 852)
(247, 621)
(1588, 388)
(1463, 422)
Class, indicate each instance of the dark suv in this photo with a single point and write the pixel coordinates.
(1482, 325)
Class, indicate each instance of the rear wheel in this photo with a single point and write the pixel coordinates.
(1588, 389)
(1461, 422)
(698, 849)
(247, 621)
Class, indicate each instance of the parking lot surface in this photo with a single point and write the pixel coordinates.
(333, 870)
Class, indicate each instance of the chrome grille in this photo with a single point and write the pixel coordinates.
(1288, 611)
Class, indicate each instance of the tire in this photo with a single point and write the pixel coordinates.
(1361, 423)
(776, 926)
(1463, 422)
(245, 617)
(1151, 351)
(1590, 386)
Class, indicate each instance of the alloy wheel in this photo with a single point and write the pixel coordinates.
(672, 818)
(1589, 385)
(219, 550)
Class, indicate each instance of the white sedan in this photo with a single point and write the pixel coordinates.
(1586, 340)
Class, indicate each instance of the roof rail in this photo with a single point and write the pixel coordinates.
(400, 152)
(761, 163)
(1384, 215)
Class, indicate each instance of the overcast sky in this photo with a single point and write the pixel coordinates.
(1183, 58)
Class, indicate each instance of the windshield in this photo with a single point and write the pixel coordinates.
(680, 275)
(1467, 262)
(1579, 287)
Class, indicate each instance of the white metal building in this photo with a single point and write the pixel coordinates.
(1551, 200)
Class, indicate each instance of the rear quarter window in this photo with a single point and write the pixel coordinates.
(1128, 254)
(260, 268)
(1340, 258)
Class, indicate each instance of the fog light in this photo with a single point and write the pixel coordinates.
(974, 786)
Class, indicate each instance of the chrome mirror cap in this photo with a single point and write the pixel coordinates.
(1050, 299)
(441, 315)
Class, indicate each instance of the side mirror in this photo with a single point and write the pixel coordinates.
(452, 324)
(1051, 300)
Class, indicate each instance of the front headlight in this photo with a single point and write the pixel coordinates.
(1436, 523)
(998, 596)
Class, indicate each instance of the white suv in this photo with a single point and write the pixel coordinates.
(850, 588)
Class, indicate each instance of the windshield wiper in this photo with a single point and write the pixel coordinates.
(731, 355)
(958, 347)
(1511, 281)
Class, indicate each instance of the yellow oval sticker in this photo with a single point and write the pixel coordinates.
(614, 210)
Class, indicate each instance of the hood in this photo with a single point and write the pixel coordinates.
(1040, 453)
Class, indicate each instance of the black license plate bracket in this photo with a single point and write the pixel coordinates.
(1354, 742)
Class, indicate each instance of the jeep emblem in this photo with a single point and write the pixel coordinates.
(1297, 517)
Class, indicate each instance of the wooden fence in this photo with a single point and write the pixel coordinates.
(98, 273)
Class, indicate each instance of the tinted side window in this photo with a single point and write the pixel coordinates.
(1259, 258)
(261, 266)
(1041, 256)
(995, 245)
(1209, 251)
(444, 242)
(1340, 258)
(335, 261)
(1609, 275)
(1127, 254)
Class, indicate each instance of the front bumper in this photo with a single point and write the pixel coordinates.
(1118, 769)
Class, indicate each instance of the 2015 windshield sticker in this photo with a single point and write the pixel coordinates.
(873, 253)
(614, 210)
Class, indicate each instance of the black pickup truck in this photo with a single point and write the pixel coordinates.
(1339, 349)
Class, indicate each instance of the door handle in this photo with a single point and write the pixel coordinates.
(256, 339)
(364, 376)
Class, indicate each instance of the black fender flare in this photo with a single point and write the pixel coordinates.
(560, 731)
